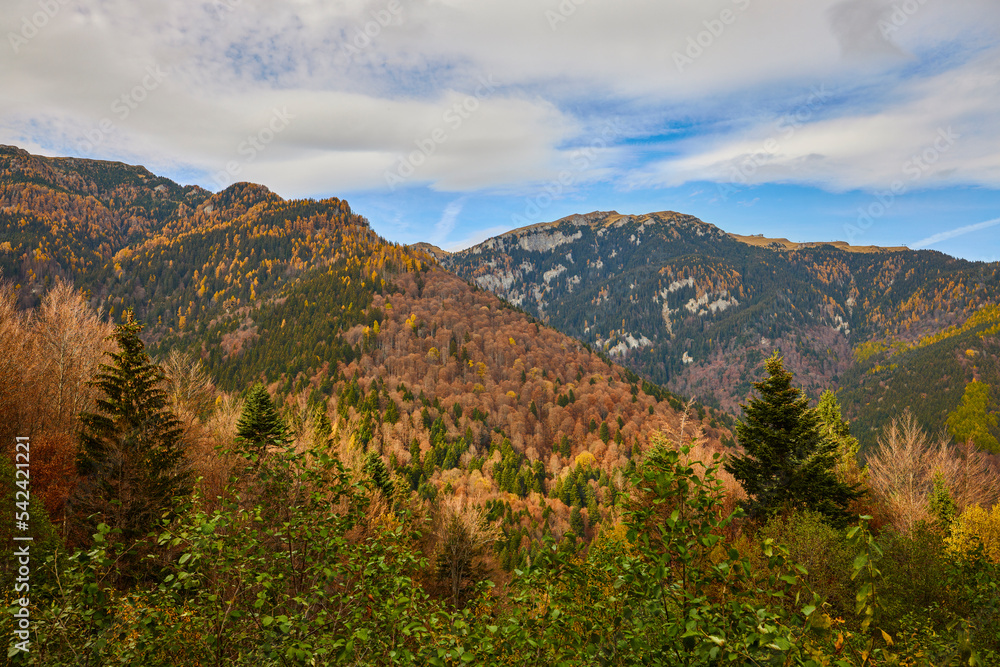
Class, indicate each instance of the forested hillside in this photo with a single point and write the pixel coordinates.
(682, 302)
(454, 389)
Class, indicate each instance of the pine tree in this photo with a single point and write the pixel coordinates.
(260, 426)
(789, 464)
(131, 458)
(941, 505)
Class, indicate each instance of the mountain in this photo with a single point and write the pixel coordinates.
(66, 217)
(686, 304)
(457, 391)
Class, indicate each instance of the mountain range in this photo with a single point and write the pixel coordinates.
(684, 303)
(290, 292)
(455, 389)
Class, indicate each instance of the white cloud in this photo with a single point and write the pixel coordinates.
(953, 233)
(899, 142)
(446, 224)
(367, 81)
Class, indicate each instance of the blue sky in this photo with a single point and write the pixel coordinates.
(448, 121)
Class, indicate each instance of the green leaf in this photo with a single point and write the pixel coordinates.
(860, 561)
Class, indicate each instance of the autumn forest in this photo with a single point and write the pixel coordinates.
(261, 434)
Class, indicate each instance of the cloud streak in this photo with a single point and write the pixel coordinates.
(954, 233)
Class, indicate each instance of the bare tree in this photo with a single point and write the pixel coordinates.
(14, 361)
(71, 341)
(464, 538)
(902, 469)
(190, 390)
(899, 471)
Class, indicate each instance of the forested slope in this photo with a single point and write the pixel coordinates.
(684, 303)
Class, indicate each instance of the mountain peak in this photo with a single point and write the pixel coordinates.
(431, 249)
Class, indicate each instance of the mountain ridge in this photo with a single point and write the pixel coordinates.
(698, 309)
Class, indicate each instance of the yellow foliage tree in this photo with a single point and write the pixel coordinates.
(973, 527)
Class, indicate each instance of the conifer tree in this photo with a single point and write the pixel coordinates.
(788, 464)
(260, 426)
(835, 428)
(391, 412)
(131, 458)
(576, 523)
(379, 474)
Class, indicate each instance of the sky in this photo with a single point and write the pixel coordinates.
(449, 121)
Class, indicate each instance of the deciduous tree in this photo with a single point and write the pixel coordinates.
(972, 421)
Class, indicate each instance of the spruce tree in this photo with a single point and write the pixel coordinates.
(260, 426)
(131, 459)
(576, 523)
(379, 474)
(788, 464)
(834, 427)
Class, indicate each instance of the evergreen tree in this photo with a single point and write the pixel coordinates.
(391, 412)
(260, 426)
(565, 446)
(131, 458)
(576, 523)
(379, 474)
(838, 430)
(788, 464)
(942, 507)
